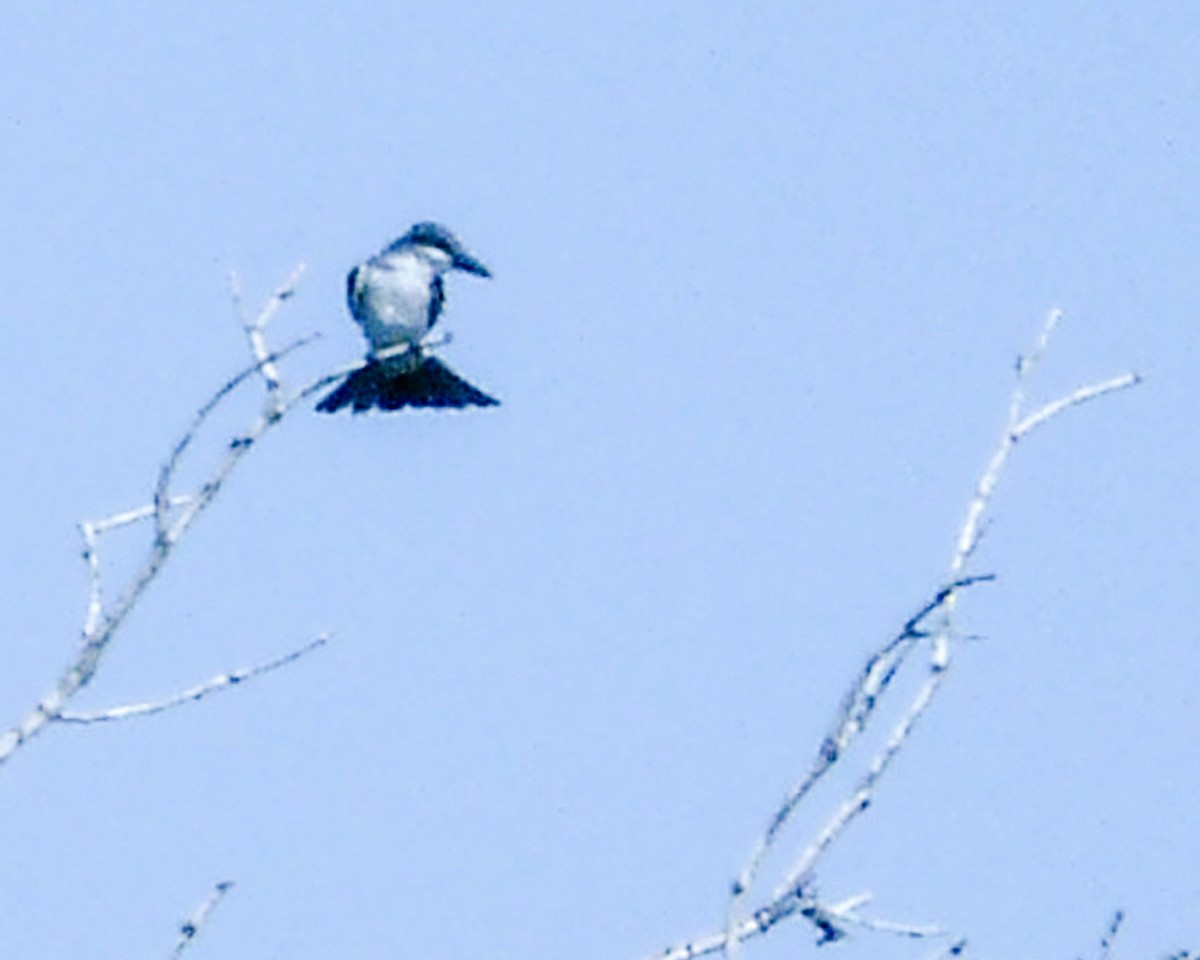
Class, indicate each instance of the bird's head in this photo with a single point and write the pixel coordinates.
(441, 247)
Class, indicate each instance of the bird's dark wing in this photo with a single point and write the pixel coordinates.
(352, 291)
(437, 298)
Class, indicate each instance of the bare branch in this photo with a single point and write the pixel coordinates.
(957, 949)
(191, 927)
(1019, 427)
(271, 414)
(847, 913)
(858, 707)
(1110, 935)
(90, 531)
(91, 557)
(865, 694)
(830, 923)
(128, 517)
(754, 926)
(173, 514)
(198, 692)
(1082, 395)
(255, 328)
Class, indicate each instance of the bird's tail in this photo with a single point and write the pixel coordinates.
(430, 384)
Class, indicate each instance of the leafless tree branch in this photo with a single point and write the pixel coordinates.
(957, 949)
(190, 928)
(931, 627)
(172, 514)
(198, 692)
(1108, 941)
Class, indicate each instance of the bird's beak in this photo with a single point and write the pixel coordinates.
(464, 261)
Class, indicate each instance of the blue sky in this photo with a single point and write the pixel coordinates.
(760, 277)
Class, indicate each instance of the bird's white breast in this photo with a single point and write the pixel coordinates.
(391, 299)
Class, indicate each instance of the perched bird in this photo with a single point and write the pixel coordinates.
(397, 297)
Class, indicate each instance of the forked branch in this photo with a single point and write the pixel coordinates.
(171, 515)
(931, 628)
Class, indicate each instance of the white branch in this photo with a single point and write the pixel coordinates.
(1108, 941)
(190, 928)
(830, 921)
(955, 950)
(847, 913)
(255, 329)
(1082, 395)
(90, 531)
(198, 692)
(860, 702)
(165, 533)
(173, 514)
(118, 520)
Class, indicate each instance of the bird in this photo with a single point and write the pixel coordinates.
(396, 297)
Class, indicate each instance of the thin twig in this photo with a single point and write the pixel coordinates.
(829, 921)
(91, 558)
(162, 495)
(198, 692)
(100, 625)
(255, 328)
(847, 913)
(864, 695)
(190, 928)
(128, 517)
(90, 531)
(854, 715)
(762, 921)
(955, 950)
(1108, 941)
(1082, 395)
